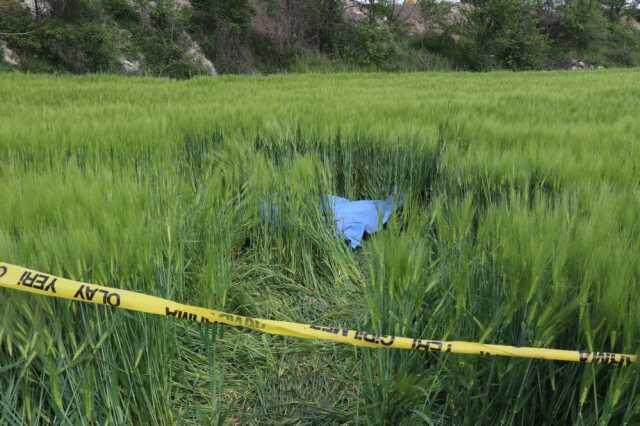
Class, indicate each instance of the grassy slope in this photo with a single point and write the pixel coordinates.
(521, 227)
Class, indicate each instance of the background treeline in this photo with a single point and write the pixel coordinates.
(182, 38)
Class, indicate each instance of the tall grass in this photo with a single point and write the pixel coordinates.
(520, 226)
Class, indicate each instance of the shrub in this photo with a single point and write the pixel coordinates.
(122, 11)
(53, 45)
(367, 45)
(502, 33)
(623, 46)
(583, 26)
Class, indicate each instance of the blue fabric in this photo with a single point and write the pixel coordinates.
(354, 219)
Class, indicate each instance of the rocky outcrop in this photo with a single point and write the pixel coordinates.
(630, 22)
(411, 15)
(183, 4)
(37, 7)
(353, 10)
(199, 58)
(129, 66)
(9, 57)
(577, 65)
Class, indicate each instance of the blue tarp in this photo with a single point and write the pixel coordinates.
(353, 219)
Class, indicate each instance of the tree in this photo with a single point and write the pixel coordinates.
(503, 33)
(583, 26)
(387, 9)
(321, 22)
(614, 8)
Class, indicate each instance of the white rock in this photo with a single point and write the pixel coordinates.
(183, 4)
(9, 57)
(132, 67)
(196, 54)
(37, 7)
(630, 22)
(353, 10)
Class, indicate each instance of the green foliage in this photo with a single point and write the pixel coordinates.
(89, 35)
(211, 14)
(271, 57)
(581, 29)
(322, 23)
(584, 26)
(368, 45)
(75, 11)
(74, 38)
(623, 46)
(55, 45)
(615, 9)
(122, 11)
(223, 29)
(502, 34)
(163, 44)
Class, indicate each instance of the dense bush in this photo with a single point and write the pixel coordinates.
(122, 11)
(623, 47)
(503, 34)
(368, 45)
(583, 25)
(223, 29)
(56, 45)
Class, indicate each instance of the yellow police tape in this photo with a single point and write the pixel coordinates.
(22, 279)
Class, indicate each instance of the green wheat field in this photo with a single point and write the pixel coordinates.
(521, 226)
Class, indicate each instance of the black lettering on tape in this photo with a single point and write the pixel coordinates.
(371, 338)
(332, 330)
(85, 292)
(3, 271)
(420, 345)
(114, 299)
(178, 314)
(389, 340)
(226, 317)
(51, 286)
(427, 345)
(606, 358)
(89, 292)
(79, 293)
(26, 279)
(38, 281)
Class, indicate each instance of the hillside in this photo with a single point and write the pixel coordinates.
(183, 38)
